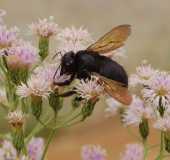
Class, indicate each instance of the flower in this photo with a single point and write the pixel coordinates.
(162, 123)
(93, 152)
(7, 37)
(51, 73)
(89, 89)
(133, 152)
(112, 107)
(34, 87)
(45, 27)
(7, 151)
(35, 148)
(144, 73)
(158, 91)
(16, 118)
(22, 54)
(72, 39)
(41, 83)
(2, 13)
(136, 112)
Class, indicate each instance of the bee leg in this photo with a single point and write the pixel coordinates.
(67, 94)
(67, 82)
(83, 74)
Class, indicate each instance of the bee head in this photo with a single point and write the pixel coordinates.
(68, 63)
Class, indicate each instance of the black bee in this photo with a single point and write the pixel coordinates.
(111, 75)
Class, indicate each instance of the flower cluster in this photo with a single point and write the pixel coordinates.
(35, 149)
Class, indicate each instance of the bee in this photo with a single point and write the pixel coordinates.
(93, 60)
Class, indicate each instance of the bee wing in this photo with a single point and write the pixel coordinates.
(115, 89)
(111, 40)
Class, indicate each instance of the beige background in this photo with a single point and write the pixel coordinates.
(150, 39)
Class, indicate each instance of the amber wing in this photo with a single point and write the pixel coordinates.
(111, 40)
(115, 89)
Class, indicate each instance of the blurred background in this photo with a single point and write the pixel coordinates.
(150, 40)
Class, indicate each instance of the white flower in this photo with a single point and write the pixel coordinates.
(88, 89)
(72, 39)
(133, 152)
(45, 27)
(144, 73)
(136, 112)
(16, 118)
(158, 91)
(112, 107)
(7, 151)
(35, 148)
(36, 86)
(93, 152)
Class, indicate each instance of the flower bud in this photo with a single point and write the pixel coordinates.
(43, 47)
(76, 102)
(16, 119)
(36, 105)
(55, 102)
(144, 128)
(88, 108)
(18, 139)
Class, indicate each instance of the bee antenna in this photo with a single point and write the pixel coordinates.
(57, 53)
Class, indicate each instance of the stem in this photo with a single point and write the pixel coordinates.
(160, 156)
(48, 143)
(145, 149)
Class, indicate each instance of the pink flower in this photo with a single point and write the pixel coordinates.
(45, 27)
(22, 54)
(35, 148)
(133, 152)
(73, 39)
(93, 152)
(7, 37)
(136, 112)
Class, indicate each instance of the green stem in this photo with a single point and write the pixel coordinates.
(48, 143)
(160, 156)
(145, 149)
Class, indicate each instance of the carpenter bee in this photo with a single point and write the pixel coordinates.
(111, 75)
